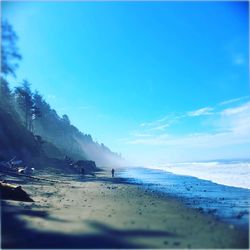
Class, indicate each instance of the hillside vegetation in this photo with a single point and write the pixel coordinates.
(30, 128)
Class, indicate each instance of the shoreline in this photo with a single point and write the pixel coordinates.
(228, 204)
(104, 212)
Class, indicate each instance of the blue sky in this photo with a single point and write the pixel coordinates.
(158, 82)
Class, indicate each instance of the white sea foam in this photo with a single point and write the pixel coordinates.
(235, 174)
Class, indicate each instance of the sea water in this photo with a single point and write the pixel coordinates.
(229, 173)
(221, 189)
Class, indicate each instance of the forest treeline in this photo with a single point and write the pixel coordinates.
(30, 128)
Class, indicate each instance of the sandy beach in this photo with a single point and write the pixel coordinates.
(104, 212)
(124, 124)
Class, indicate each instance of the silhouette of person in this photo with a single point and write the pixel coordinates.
(113, 172)
(82, 171)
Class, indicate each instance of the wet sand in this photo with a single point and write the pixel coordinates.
(104, 212)
(230, 204)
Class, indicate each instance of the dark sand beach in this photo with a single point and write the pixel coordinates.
(104, 212)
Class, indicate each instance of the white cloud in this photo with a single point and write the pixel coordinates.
(237, 119)
(161, 124)
(234, 100)
(153, 123)
(202, 111)
(232, 127)
(237, 110)
(207, 140)
(136, 134)
(160, 127)
(169, 120)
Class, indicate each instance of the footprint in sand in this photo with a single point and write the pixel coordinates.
(176, 243)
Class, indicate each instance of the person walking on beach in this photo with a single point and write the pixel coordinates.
(82, 171)
(113, 172)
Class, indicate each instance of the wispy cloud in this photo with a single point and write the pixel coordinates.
(154, 123)
(165, 122)
(231, 127)
(160, 124)
(206, 140)
(234, 100)
(237, 110)
(237, 119)
(136, 134)
(160, 127)
(200, 112)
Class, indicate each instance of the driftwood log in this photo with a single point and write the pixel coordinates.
(12, 192)
(12, 173)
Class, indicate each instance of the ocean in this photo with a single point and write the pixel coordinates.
(218, 188)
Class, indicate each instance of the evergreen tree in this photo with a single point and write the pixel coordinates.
(25, 102)
(9, 51)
